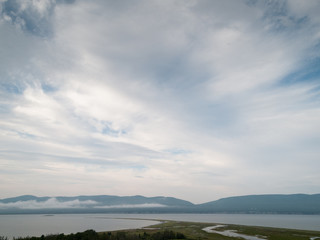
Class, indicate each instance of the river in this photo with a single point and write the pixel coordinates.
(36, 225)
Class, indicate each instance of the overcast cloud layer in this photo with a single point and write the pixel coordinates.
(193, 99)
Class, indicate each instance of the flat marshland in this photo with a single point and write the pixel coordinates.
(194, 230)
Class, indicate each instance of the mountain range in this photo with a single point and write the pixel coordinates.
(276, 203)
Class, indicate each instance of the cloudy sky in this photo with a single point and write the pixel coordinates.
(196, 99)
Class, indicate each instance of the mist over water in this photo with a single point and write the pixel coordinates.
(36, 225)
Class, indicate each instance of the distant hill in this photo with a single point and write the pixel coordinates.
(92, 204)
(23, 199)
(277, 203)
(109, 201)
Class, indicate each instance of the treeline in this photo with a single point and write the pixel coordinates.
(119, 235)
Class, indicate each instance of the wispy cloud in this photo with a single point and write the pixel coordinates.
(50, 203)
(146, 205)
(198, 100)
(53, 203)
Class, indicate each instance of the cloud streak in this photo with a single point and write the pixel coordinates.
(50, 203)
(203, 99)
(53, 203)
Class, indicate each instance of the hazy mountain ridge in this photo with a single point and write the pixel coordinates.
(90, 202)
(273, 203)
(276, 203)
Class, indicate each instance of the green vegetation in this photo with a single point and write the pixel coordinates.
(183, 230)
(115, 235)
(194, 231)
(273, 203)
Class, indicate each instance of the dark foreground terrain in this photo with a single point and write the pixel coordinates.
(185, 230)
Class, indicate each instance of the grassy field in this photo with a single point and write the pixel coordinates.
(193, 230)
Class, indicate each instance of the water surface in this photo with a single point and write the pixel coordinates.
(36, 225)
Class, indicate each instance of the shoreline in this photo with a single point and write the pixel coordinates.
(122, 222)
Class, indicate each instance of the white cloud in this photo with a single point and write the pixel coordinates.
(187, 97)
(54, 203)
(146, 205)
(50, 203)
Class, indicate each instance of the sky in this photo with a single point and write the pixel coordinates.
(199, 99)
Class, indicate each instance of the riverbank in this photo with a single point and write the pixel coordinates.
(186, 230)
(196, 230)
(37, 225)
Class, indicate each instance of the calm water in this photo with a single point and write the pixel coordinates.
(36, 225)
